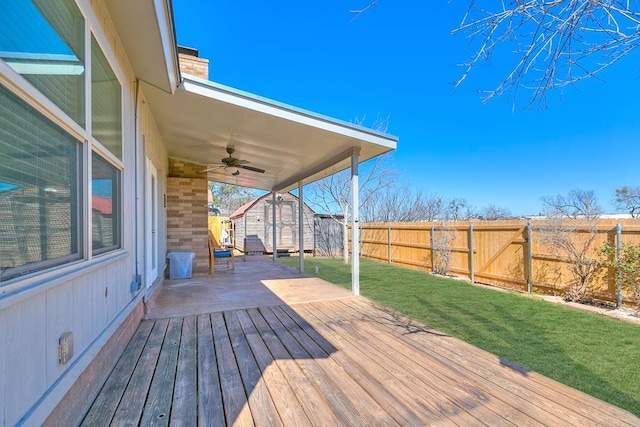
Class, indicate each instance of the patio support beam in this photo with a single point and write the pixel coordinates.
(355, 231)
(300, 228)
(274, 226)
(316, 169)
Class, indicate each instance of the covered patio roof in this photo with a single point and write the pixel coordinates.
(202, 118)
(199, 119)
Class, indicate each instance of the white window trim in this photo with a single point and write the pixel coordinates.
(31, 96)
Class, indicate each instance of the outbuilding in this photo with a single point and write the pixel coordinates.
(253, 225)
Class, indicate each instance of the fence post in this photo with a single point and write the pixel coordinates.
(389, 242)
(433, 250)
(619, 257)
(529, 259)
(471, 251)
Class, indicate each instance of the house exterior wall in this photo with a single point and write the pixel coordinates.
(156, 151)
(188, 213)
(92, 297)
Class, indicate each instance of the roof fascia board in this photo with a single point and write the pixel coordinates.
(166, 27)
(289, 183)
(266, 106)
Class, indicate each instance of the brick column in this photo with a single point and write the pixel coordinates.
(187, 213)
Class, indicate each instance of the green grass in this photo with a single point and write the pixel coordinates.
(592, 353)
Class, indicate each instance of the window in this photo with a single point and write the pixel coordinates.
(43, 41)
(105, 205)
(106, 104)
(106, 123)
(44, 211)
(40, 191)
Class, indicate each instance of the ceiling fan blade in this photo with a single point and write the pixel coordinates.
(251, 168)
(214, 167)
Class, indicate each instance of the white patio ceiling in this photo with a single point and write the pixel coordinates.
(202, 118)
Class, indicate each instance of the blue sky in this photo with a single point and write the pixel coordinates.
(399, 60)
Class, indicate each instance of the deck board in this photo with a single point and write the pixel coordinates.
(210, 409)
(336, 362)
(107, 402)
(131, 406)
(260, 402)
(184, 409)
(437, 407)
(289, 409)
(234, 398)
(157, 409)
(315, 406)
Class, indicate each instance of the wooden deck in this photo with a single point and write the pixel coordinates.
(326, 363)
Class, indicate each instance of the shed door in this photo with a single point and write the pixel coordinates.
(286, 225)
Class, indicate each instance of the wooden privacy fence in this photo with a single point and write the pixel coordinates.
(505, 253)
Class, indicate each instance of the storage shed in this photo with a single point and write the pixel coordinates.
(252, 225)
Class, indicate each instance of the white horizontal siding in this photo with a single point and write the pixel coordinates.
(26, 355)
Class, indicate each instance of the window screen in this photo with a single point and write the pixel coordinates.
(40, 194)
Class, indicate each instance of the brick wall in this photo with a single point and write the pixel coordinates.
(194, 65)
(187, 213)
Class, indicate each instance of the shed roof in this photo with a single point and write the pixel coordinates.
(244, 208)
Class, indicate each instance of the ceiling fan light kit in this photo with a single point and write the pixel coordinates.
(234, 162)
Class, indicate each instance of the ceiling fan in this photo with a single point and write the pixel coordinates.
(234, 162)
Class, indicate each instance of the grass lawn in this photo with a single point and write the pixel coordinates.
(592, 353)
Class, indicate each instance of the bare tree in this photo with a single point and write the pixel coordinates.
(556, 43)
(494, 213)
(578, 204)
(358, 12)
(628, 199)
(402, 204)
(569, 231)
(332, 195)
(458, 209)
(443, 235)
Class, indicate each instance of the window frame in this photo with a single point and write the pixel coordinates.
(119, 205)
(30, 95)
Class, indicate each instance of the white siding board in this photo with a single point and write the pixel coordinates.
(83, 313)
(25, 355)
(112, 285)
(99, 315)
(59, 320)
(123, 289)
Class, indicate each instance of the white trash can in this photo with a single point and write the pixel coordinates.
(180, 264)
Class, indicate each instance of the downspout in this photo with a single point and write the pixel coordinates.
(137, 280)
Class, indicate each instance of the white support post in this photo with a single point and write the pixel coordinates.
(274, 227)
(355, 212)
(300, 228)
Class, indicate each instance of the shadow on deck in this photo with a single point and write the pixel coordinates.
(271, 347)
